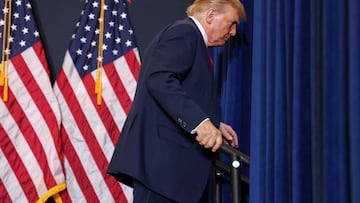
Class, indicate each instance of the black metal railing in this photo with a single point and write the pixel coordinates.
(237, 160)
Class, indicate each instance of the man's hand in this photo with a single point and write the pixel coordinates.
(209, 136)
(229, 134)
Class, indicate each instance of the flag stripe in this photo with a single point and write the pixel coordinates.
(116, 116)
(18, 169)
(38, 95)
(42, 118)
(83, 125)
(129, 80)
(41, 56)
(85, 111)
(4, 196)
(118, 88)
(12, 188)
(36, 56)
(31, 151)
(132, 60)
(103, 111)
(87, 191)
(75, 190)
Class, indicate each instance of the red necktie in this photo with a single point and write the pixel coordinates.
(211, 60)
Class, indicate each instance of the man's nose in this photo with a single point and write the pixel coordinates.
(233, 30)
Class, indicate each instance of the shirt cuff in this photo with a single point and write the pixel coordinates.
(194, 130)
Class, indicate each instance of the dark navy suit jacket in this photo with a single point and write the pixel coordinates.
(175, 92)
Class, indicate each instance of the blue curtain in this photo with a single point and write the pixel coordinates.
(232, 64)
(290, 86)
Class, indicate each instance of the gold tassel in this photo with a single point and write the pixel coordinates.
(2, 75)
(4, 80)
(6, 90)
(98, 87)
(98, 81)
(99, 94)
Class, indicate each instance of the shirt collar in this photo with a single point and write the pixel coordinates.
(202, 31)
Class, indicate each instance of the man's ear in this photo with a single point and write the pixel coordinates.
(210, 15)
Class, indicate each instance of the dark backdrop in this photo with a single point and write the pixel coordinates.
(302, 114)
(56, 21)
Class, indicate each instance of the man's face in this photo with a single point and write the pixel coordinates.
(222, 26)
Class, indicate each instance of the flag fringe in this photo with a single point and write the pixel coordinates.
(53, 192)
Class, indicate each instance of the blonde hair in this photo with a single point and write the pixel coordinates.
(199, 6)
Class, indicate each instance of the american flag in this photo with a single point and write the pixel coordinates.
(31, 161)
(90, 130)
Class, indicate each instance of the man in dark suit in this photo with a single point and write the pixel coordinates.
(166, 145)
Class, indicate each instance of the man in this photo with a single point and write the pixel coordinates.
(166, 144)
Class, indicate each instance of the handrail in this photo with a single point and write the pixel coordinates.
(227, 149)
(226, 170)
(237, 159)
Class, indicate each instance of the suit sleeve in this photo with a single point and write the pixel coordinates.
(171, 64)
